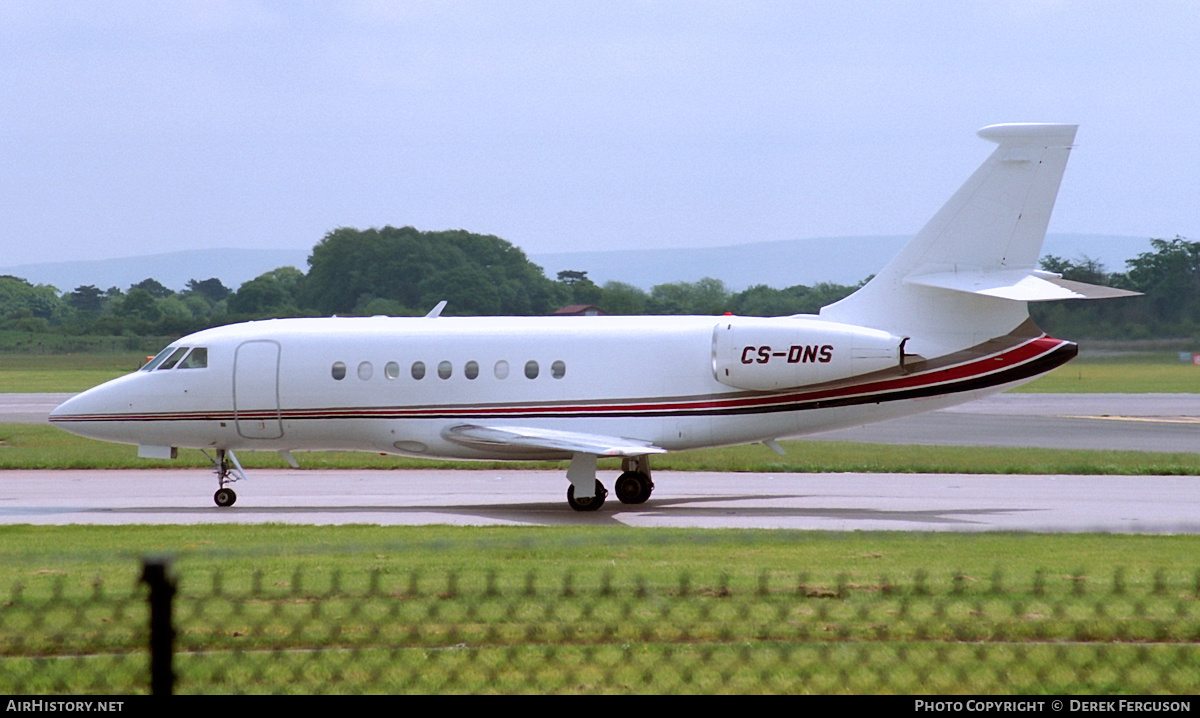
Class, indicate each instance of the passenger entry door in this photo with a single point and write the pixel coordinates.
(256, 390)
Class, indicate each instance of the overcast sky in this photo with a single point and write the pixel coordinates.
(132, 128)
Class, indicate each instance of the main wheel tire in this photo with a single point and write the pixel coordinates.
(224, 497)
(590, 503)
(633, 487)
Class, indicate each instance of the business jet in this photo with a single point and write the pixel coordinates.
(944, 322)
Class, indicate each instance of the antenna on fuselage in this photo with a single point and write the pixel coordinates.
(436, 311)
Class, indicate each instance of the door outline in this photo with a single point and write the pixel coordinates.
(256, 374)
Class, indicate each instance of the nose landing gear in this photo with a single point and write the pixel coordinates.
(225, 497)
(228, 470)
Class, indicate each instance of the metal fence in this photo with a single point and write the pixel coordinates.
(593, 632)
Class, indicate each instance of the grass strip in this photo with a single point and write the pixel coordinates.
(110, 554)
(34, 446)
(1135, 373)
(55, 373)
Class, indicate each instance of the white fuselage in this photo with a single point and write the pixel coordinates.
(398, 385)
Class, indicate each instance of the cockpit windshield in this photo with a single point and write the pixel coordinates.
(174, 358)
(162, 356)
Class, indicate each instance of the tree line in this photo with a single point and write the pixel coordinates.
(1168, 276)
(405, 272)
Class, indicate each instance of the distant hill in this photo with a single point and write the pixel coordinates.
(840, 260)
(171, 269)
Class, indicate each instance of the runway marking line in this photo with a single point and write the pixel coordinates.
(1151, 419)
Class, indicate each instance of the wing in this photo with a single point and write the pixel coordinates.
(508, 441)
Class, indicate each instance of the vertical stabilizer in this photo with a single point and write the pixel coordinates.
(990, 233)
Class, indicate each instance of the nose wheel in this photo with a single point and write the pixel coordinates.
(225, 497)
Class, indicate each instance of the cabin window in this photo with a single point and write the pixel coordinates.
(418, 370)
(173, 359)
(471, 369)
(501, 369)
(531, 369)
(198, 359)
(558, 369)
(391, 370)
(365, 371)
(339, 370)
(445, 369)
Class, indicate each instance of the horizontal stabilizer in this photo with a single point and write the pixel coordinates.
(523, 438)
(1018, 285)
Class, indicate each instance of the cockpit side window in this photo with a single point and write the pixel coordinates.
(173, 359)
(198, 359)
(162, 356)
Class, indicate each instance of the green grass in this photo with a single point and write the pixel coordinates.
(1130, 373)
(609, 610)
(38, 555)
(55, 373)
(35, 446)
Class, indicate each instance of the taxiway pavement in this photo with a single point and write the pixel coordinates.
(836, 502)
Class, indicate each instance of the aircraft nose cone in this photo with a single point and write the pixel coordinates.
(62, 410)
(65, 410)
(77, 412)
(95, 413)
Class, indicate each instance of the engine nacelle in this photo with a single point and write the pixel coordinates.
(789, 352)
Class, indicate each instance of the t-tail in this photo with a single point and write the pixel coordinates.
(963, 283)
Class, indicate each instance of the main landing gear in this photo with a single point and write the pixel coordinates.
(587, 503)
(228, 470)
(633, 486)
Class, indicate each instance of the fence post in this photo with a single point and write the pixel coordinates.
(156, 573)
